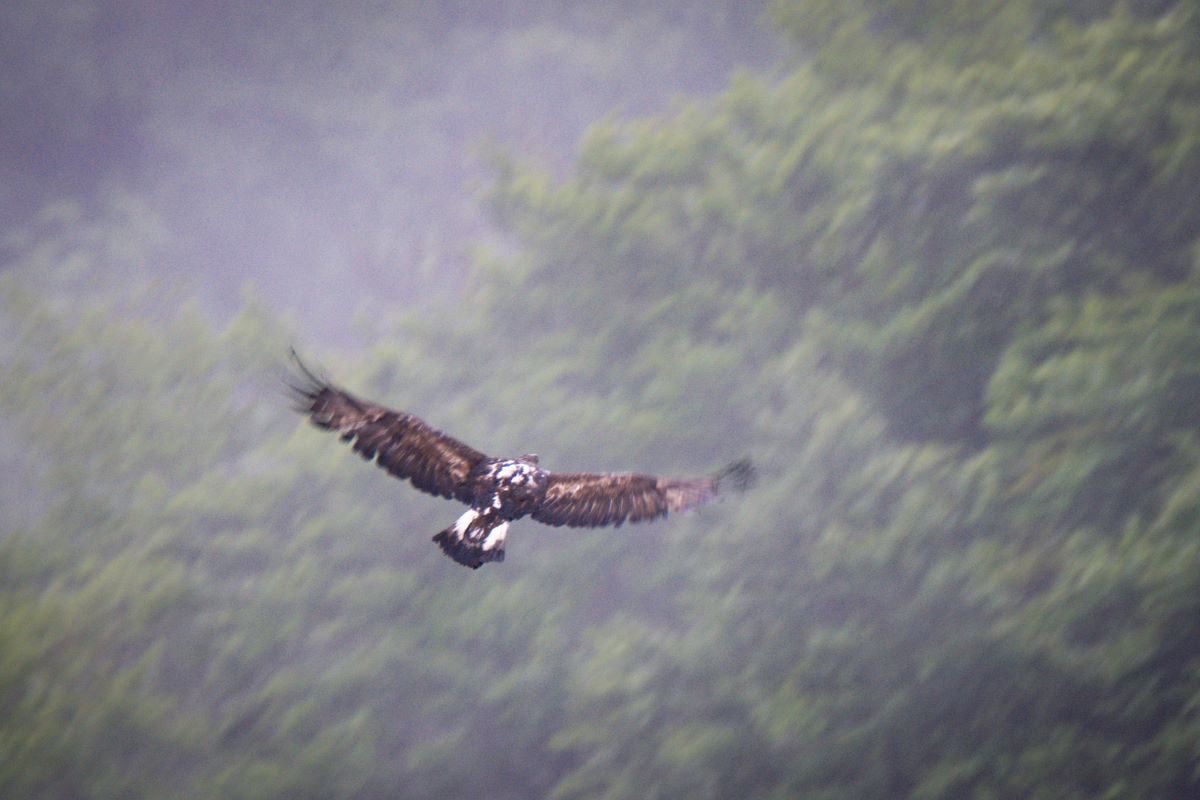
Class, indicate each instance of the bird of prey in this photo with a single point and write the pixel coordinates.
(497, 490)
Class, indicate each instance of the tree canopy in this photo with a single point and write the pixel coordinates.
(937, 272)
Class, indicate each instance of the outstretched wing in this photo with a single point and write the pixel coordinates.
(404, 445)
(591, 500)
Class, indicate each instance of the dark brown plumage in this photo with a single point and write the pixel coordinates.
(582, 499)
(498, 490)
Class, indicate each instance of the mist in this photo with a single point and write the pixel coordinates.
(934, 269)
(329, 162)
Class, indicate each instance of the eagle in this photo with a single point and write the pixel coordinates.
(497, 491)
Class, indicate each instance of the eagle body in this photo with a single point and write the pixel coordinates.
(505, 489)
(513, 487)
(497, 491)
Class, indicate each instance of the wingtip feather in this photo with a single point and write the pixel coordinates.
(739, 476)
(305, 385)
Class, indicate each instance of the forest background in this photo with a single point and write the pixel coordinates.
(934, 265)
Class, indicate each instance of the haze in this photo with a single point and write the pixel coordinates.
(933, 266)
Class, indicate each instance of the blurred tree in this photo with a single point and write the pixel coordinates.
(991, 238)
(941, 280)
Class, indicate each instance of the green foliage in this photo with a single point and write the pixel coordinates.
(941, 280)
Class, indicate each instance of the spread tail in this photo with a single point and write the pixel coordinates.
(475, 538)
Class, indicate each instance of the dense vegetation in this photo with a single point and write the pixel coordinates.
(939, 276)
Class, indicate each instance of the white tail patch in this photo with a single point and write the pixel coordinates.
(496, 537)
(463, 523)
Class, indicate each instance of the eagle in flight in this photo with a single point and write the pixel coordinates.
(498, 490)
